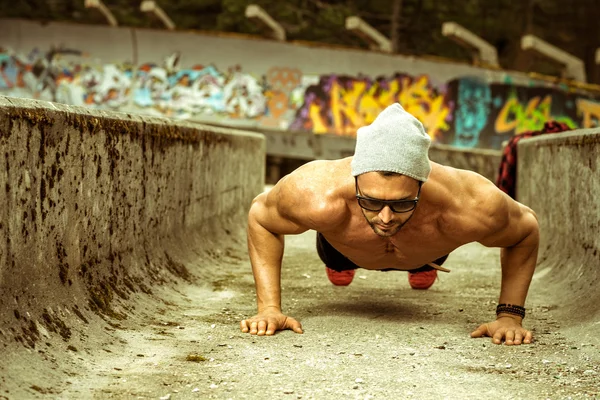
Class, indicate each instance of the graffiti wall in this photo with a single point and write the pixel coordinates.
(465, 111)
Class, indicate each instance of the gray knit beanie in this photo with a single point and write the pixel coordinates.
(395, 142)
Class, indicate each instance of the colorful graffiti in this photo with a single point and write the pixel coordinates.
(472, 111)
(280, 84)
(590, 112)
(513, 110)
(200, 90)
(465, 112)
(343, 104)
(54, 77)
(517, 116)
(488, 114)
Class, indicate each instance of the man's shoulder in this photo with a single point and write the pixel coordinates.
(483, 213)
(454, 176)
(464, 186)
(316, 177)
(315, 193)
(473, 204)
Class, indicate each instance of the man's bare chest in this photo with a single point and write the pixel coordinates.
(405, 250)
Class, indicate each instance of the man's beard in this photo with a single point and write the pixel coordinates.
(390, 231)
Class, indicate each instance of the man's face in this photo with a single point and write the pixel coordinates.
(400, 188)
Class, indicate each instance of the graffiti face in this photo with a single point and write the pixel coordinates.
(473, 107)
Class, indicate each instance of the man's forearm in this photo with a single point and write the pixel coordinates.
(518, 265)
(266, 252)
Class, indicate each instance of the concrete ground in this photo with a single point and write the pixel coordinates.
(375, 339)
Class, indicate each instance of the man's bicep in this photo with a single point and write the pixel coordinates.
(509, 223)
(266, 212)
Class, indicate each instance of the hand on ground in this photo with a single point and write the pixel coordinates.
(505, 329)
(268, 322)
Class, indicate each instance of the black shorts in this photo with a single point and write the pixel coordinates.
(338, 262)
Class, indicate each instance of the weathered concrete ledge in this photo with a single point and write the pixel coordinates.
(483, 161)
(559, 178)
(307, 146)
(91, 203)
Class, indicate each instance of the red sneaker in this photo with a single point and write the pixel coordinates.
(422, 280)
(343, 278)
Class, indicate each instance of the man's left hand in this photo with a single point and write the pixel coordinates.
(504, 328)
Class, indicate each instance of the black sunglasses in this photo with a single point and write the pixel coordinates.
(397, 206)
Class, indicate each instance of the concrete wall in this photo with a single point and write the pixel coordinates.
(559, 178)
(94, 203)
(483, 161)
(250, 82)
(310, 147)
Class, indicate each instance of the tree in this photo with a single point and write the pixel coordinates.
(414, 26)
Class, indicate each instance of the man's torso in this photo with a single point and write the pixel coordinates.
(427, 236)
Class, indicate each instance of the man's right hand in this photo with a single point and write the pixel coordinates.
(268, 322)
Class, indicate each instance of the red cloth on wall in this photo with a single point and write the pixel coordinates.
(507, 174)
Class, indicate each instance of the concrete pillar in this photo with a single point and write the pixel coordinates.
(375, 39)
(112, 21)
(150, 7)
(274, 164)
(256, 14)
(574, 68)
(485, 52)
(597, 68)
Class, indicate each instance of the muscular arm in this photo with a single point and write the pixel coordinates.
(517, 234)
(297, 203)
(266, 229)
(514, 228)
(518, 262)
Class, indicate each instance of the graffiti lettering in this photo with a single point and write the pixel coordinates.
(341, 105)
(591, 113)
(514, 117)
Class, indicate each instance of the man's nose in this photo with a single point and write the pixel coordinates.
(386, 214)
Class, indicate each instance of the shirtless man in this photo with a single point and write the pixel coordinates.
(389, 207)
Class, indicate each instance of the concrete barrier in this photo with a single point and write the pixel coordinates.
(559, 178)
(287, 150)
(483, 161)
(96, 206)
